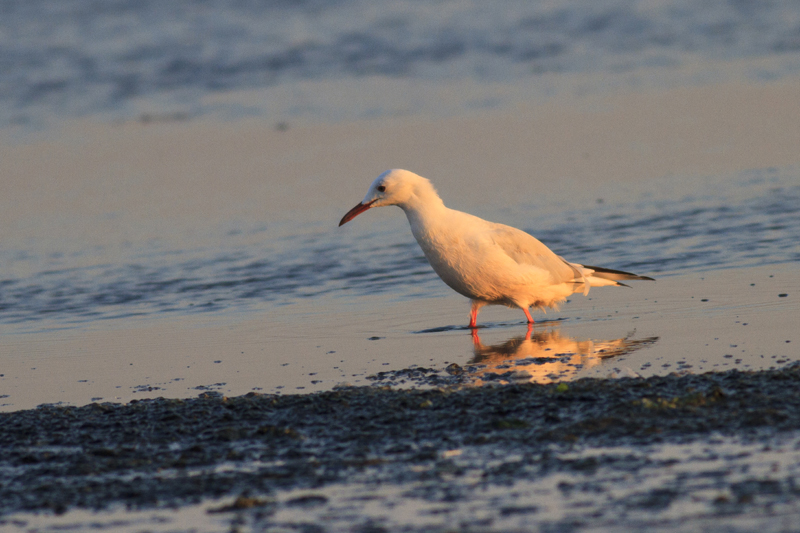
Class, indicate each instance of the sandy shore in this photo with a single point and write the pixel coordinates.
(170, 171)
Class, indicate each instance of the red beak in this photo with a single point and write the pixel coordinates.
(357, 210)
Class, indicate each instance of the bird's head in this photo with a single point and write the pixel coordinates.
(394, 187)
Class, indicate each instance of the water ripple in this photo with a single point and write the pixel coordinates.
(687, 234)
(760, 226)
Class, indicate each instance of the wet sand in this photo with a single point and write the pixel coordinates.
(561, 147)
(715, 320)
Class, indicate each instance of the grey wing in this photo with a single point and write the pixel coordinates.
(526, 249)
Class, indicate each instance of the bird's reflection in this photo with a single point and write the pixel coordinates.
(544, 356)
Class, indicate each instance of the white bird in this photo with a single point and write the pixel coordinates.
(489, 263)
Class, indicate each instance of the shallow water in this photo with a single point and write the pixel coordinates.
(123, 243)
(252, 265)
(158, 60)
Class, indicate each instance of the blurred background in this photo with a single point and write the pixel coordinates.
(339, 59)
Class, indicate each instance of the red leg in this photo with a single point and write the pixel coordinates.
(528, 315)
(473, 315)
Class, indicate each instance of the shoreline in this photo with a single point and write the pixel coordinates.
(713, 320)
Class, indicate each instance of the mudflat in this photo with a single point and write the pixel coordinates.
(446, 446)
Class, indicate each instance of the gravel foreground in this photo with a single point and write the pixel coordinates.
(441, 445)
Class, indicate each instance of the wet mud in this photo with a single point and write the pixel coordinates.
(165, 453)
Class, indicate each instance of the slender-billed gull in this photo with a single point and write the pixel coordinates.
(489, 263)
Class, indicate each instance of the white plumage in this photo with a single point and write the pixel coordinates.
(489, 263)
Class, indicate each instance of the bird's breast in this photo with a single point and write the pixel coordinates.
(458, 264)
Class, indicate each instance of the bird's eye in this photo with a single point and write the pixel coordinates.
(381, 188)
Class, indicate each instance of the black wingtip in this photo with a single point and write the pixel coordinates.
(627, 275)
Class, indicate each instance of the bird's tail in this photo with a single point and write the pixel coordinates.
(613, 275)
(581, 277)
(600, 277)
(587, 277)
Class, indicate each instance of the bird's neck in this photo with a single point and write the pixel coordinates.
(425, 215)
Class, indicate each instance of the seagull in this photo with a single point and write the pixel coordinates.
(489, 263)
